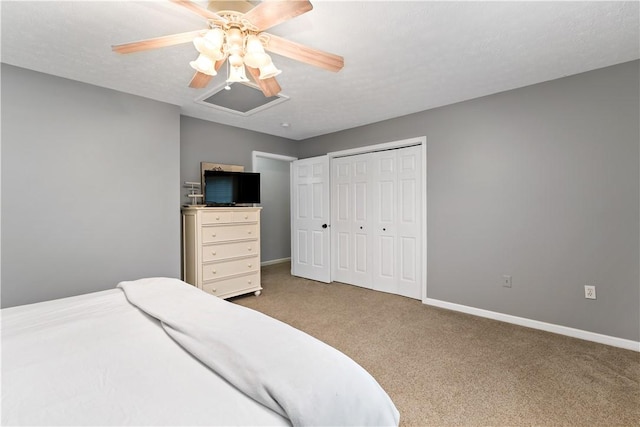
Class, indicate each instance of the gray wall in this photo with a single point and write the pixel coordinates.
(203, 141)
(275, 230)
(90, 182)
(541, 183)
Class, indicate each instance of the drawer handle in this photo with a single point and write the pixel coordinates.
(214, 290)
(246, 217)
(213, 271)
(217, 218)
(249, 231)
(249, 249)
(249, 265)
(214, 253)
(249, 282)
(213, 234)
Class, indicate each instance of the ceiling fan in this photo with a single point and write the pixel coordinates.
(237, 36)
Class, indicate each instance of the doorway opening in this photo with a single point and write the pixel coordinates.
(275, 200)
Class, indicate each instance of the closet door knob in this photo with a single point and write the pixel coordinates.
(324, 225)
(384, 229)
(360, 227)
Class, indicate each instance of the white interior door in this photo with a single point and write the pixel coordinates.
(310, 213)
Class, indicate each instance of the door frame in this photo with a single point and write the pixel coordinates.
(254, 163)
(422, 141)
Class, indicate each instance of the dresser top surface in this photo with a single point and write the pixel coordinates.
(220, 208)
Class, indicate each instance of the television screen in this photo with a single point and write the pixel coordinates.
(222, 188)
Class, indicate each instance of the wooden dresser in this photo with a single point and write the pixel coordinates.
(221, 249)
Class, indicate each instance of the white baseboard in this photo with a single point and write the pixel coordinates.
(275, 261)
(536, 324)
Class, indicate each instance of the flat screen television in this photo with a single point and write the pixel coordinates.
(223, 188)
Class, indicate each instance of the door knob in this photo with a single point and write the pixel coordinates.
(324, 225)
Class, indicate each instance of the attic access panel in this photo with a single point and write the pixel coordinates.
(242, 98)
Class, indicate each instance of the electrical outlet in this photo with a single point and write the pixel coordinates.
(506, 281)
(590, 292)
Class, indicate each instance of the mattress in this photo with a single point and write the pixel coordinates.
(95, 359)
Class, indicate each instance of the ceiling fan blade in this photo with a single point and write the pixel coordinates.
(273, 12)
(269, 87)
(201, 80)
(157, 42)
(303, 53)
(199, 10)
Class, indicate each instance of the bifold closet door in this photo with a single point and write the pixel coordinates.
(351, 220)
(377, 220)
(397, 221)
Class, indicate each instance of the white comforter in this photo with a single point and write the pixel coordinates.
(95, 360)
(279, 366)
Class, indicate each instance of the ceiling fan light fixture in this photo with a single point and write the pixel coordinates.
(208, 48)
(254, 56)
(204, 64)
(269, 70)
(235, 60)
(256, 60)
(254, 45)
(237, 75)
(235, 38)
(215, 36)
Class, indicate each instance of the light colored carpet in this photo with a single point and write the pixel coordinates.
(443, 368)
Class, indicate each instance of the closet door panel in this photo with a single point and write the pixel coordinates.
(407, 207)
(387, 253)
(409, 224)
(360, 265)
(361, 224)
(384, 197)
(342, 216)
(408, 266)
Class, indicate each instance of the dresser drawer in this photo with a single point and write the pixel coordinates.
(230, 232)
(229, 250)
(229, 268)
(244, 216)
(216, 217)
(235, 285)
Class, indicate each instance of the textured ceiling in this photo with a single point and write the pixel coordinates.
(400, 57)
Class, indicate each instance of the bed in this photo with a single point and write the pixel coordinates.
(158, 351)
